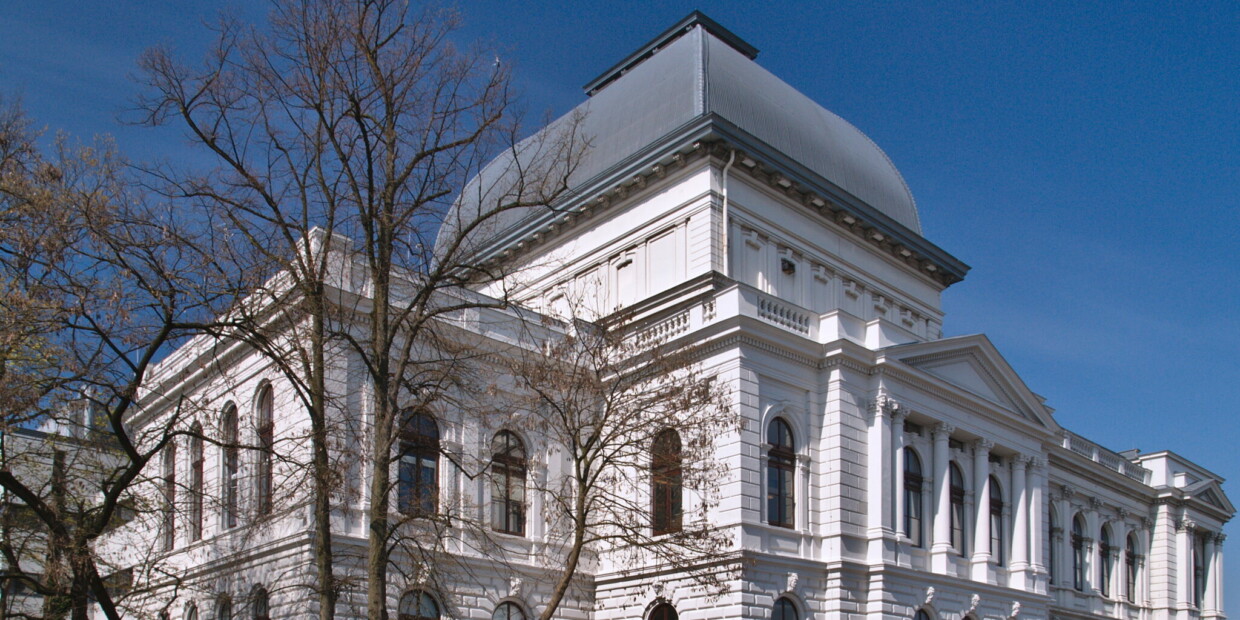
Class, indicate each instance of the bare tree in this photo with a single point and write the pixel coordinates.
(636, 423)
(97, 285)
(364, 120)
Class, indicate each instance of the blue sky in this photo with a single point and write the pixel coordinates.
(1083, 157)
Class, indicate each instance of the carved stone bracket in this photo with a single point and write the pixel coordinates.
(929, 596)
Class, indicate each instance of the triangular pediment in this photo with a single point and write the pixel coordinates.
(973, 364)
(1210, 492)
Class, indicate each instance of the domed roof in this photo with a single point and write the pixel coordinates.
(698, 75)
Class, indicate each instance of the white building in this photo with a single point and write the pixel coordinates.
(882, 470)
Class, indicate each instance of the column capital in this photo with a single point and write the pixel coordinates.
(1219, 537)
(983, 444)
(1095, 503)
(884, 405)
(944, 430)
(1037, 462)
(1067, 491)
(898, 416)
(1020, 461)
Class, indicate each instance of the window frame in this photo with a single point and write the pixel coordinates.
(508, 479)
(264, 430)
(230, 467)
(914, 515)
(422, 597)
(418, 492)
(997, 533)
(1078, 553)
(666, 483)
(197, 482)
(781, 474)
(956, 492)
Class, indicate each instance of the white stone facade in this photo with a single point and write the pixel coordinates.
(815, 309)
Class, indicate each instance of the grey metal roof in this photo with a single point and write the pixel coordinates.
(683, 78)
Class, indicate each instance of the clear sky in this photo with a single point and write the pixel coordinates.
(1083, 157)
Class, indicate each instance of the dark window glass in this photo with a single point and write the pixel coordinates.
(265, 426)
(784, 610)
(508, 611)
(957, 500)
(418, 491)
(1107, 554)
(508, 484)
(223, 609)
(921, 615)
(1130, 558)
(666, 484)
(195, 482)
(191, 613)
(261, 606)
(663, 611)
(1052, 566)
(912, 497)
(1078, 553)
(996, 522)
(418, 605)
(232, 465)
(781, 465)
(168, 531)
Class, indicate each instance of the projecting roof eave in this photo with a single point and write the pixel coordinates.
(710, 128)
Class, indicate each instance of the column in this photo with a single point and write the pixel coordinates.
(1184, 562)
(941, 550)
(1037, 516)
(1020, 524)
(897, 446)
(981, 510)
(1207, 597)
(1216, 575)
(879, 475)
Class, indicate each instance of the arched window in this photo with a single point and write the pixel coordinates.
(996, 522)
(508, 611)
(260, 605)
(957, 499)
(1108, 560)
(1056, 533)
(912, 497)
(1078, 553)
(663, 611)
(417, 605)
(666, 483)
(195, 482)
(508, 484)
(418, 492)
(168, 529)
(1130, 559)
(921, 615)
(191, 612)
(231, 466)
(784, 610)
(265, 426)
(223, 608)
(781, 465)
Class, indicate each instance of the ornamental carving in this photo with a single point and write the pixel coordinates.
(974, 602)
(1015, 609)
(1095, 503)
(943, 429)
(793, 579)
(514, 587)
(929, 596)
(1067, 491)
(984, 445)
